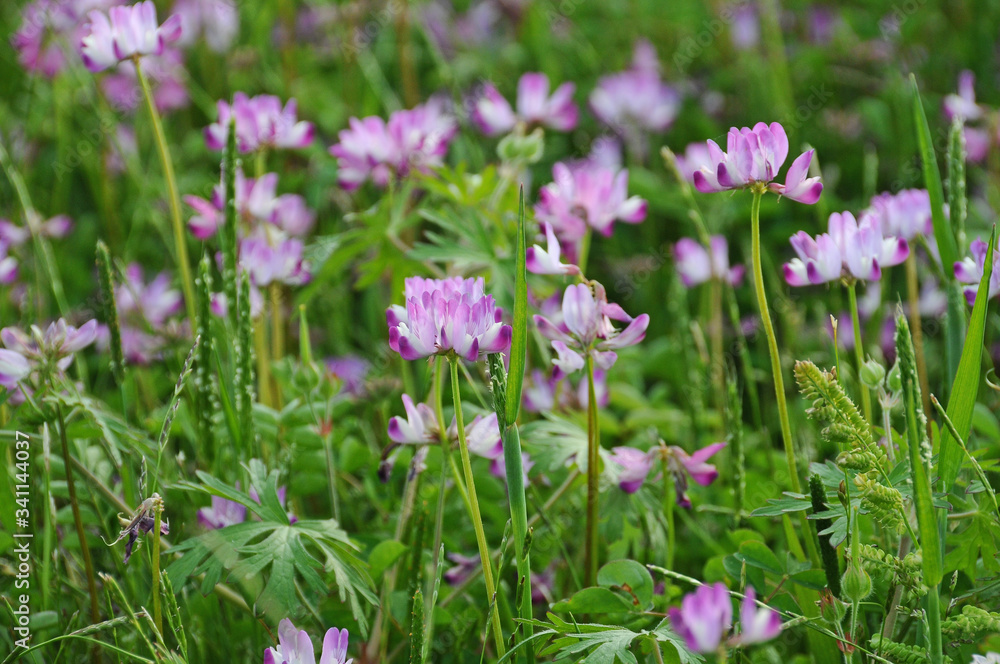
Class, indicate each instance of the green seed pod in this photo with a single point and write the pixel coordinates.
(895, 381)
(856, 585)
(872, 374)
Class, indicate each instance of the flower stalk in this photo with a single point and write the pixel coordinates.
(859, 353)
(477, 521)
(173, 197)
(593, 446)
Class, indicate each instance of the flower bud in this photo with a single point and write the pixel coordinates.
(856, 584)
(522, 149)
(895, 381)
(831, 607)
(872, 374)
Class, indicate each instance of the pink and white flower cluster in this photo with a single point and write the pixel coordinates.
(635, 465)
(493, 114)
(754, 157)
(849, 250)
(295, 647)
(31, 358)
(586, 328)
(261, 123)
(124, 33)
(970, 270)
(412, 140)
(706, 616)
(443, 316)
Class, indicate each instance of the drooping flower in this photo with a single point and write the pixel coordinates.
(442, 316)
(850, 250)
(586, 195)
(494, 115)
(636, 101)
(124, 33)
(757, 624)
(587, 329)
(218, 21)
(295, 646)
(413, 140)
(703, 618)
(970, 270)
(635, 466)
(547, 261)
(261, 123)
(36, 355)
(753, 157)
(696, 265)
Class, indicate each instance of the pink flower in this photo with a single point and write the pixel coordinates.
(849, 250)
(418, 428)
(268, 263)
(125, 32)
(547, 261)
(464, 567)
(57, 227)
(753, 157)
(704, 618)
(412, 140)
(44, 25)
(696, 156)
(587, 329)
(905, 214)
(635, 466)
(586, 194)
(261, 123)
(222, 513)
(257, 202)
(351, 371)
(494, 115)
(165, 73)
(963, 105)
(636, 100)
(970, 270)
(154, 303)
(757, 624)
(8, 265)
(446, 315)
(30, 357)
(295, 647)
(696, 266)
(218, 21)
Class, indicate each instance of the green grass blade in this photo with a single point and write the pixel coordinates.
(919, 449)
(965, 389)
(932, 179)
(519, 342)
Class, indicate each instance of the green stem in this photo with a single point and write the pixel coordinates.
(593, 445)
(173, 197)
(446, 463)
(158, 515)
(669, 501)
(913, 295)
(519, 519)
(95, 614)
(477, 521)
(772, 347)
(585, 250)
(859, 352)
(932, 606)
(779, 387)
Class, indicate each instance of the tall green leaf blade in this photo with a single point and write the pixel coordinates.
(919, 450)
(932, 179)
(519, 341)
(965, 389)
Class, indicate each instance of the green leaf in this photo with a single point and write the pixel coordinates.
(594, 600)
(757, 554)
(632, 578)
(383, 555)
(664, 634)
(965, 389)
(608, 646)
(519, 340)
(932, 179)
